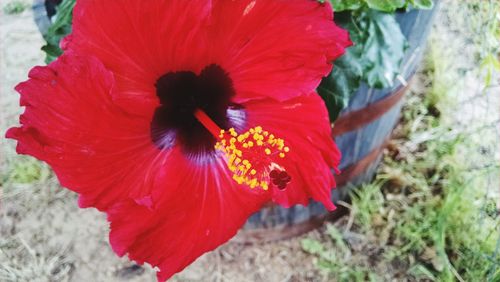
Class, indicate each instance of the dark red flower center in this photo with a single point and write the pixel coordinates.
(180, 94)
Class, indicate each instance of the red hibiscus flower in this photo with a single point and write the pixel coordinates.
(180, 119)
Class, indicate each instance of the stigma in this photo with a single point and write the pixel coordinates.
(253, 156)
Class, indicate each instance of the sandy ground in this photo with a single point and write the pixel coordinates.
(45, 237)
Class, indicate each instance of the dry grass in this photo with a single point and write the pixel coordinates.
(431, 215)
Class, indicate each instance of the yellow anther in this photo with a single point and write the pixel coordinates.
(238, 179)
(233, 132)
(249, 153)
(281, 145)
(264, 185)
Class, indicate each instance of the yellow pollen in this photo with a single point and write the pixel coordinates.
(251, 155)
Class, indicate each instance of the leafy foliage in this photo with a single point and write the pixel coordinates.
(374, 59)
(59, 29)
(381, 45)
(341, 83)
(380, 5)
(343, 5)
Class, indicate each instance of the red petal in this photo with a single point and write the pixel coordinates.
(276, 49)
(304, 125)
(203, 209)
(139, 41)
(70, 122)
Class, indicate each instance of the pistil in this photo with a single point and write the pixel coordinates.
(253, 156)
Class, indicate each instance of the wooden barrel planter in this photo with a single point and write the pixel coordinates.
(361, 132)
(43, 11)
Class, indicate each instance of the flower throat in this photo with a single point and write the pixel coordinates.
(194, 112)
(180, 94)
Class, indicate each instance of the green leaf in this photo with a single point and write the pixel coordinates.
(337, 88)
(342, 5)
(422, 4)
(374, 59)
(381, 43)
(380, 5)
(385, 5)
(59, 29)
